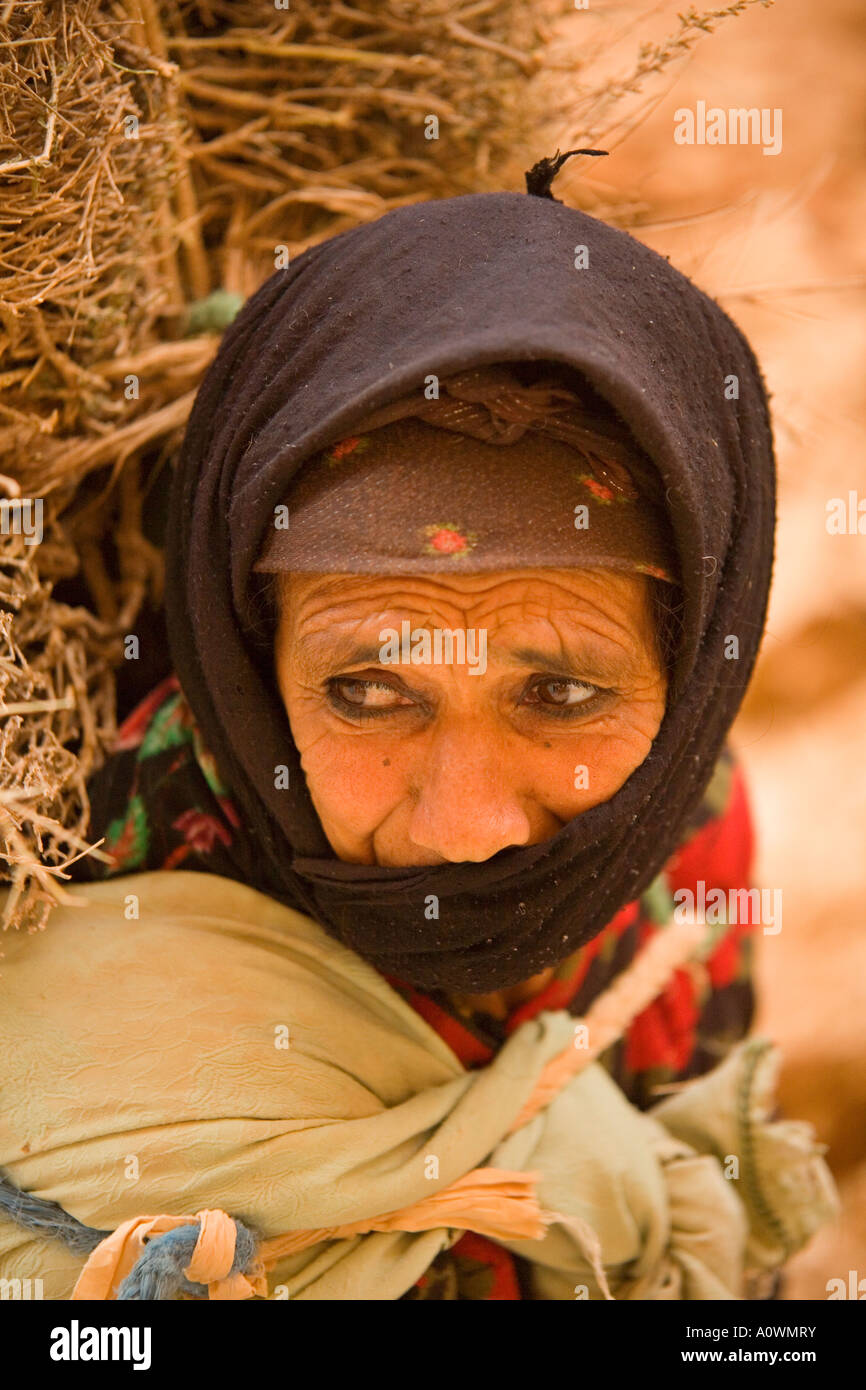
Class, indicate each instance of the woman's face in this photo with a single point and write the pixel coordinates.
(538, 698)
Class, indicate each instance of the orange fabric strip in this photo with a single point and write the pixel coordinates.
(489, 1201)
(214, 1250)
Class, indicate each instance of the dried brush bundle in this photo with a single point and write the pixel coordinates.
(155, 156)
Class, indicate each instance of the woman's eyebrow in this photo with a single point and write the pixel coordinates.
(584, 661)
(320, 654)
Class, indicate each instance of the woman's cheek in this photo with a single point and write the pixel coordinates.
(351, 778)
(594, 765)
(581, 775)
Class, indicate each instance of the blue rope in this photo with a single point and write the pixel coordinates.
(48, 1218)
(158, 1272)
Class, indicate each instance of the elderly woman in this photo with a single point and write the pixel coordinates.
(469, 550)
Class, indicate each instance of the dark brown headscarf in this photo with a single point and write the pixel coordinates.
(488, 475)
(355, 324)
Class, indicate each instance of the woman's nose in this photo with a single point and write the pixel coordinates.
(467, 807)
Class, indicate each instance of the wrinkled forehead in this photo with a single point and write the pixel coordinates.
(540, 617)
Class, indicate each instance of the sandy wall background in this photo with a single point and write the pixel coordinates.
(779, 240)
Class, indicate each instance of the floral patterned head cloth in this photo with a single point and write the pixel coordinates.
(493, 474)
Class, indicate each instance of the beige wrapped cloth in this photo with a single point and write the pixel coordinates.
(177, 1043)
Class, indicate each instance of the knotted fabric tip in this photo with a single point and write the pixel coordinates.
(157, 1257)
(541, 175)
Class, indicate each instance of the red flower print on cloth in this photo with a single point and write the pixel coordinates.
(127, 837)
(201, 831)
(132, 730)
(445, 538)
(352, 444)
(599, 490)
(613, 477)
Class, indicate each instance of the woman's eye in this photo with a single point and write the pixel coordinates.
(555, 696)
(366, 694)
(561, 694)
